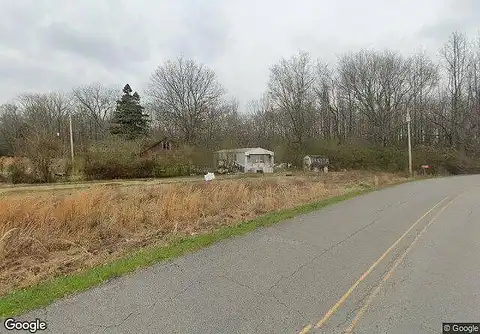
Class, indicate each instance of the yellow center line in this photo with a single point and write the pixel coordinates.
(365, 274)
(306, 329)
(390, 272)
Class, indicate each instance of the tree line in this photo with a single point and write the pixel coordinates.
(361, 100)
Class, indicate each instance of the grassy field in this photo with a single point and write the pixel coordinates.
(46, 235)
(6, 188)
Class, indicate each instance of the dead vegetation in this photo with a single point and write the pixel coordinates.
(46, 234)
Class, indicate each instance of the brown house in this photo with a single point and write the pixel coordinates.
(163, 145)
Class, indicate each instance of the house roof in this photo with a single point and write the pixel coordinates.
(235, 150)
(259, 150)
(155, 144)
(247, 151)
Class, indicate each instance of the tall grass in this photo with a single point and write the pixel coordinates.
(46, 234)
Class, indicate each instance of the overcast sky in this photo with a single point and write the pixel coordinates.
(51, 44)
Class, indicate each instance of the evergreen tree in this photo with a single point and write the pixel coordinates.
(129, 119)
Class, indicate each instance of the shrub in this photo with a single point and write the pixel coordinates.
(17, 172)
(119, 159)
(394, 159)
(183, 161)
(99, 169)
(112, 158)
(446, 161)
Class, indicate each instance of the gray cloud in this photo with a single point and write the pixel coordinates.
(205, 34)
(23, 76)
(96, 46)
(49, 44)
(17, 25)
(462, 16)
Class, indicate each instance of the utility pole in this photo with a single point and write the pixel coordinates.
(409, 144)
(71, 139)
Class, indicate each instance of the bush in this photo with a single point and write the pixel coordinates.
(183, 161)
(18, 172)
(393, 159)
(111, 159)
(119, 159)
(98, 169)
(356, 157)
(446, 161)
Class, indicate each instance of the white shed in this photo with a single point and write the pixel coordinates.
(315, 162)
(247, 160)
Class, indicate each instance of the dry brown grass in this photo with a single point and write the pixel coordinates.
(46, 234)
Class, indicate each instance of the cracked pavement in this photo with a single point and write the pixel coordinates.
(281, 278)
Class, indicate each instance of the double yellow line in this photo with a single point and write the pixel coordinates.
(362, 310)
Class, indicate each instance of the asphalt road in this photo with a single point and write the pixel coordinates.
(367, 265)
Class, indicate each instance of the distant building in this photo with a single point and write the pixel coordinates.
(244, 160)
(163, 145)
(315, 163)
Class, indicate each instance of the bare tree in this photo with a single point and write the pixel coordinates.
(39, 111)
(473, 94)
(41, 149)
(263, 126)
(12, 127)
(40, 142)
(224, 125)
(332, 120)
(185, 94)
(61, 105)
(378, 82)
(291, 90)
(95, 102)
(423, 79)
(456, 62)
